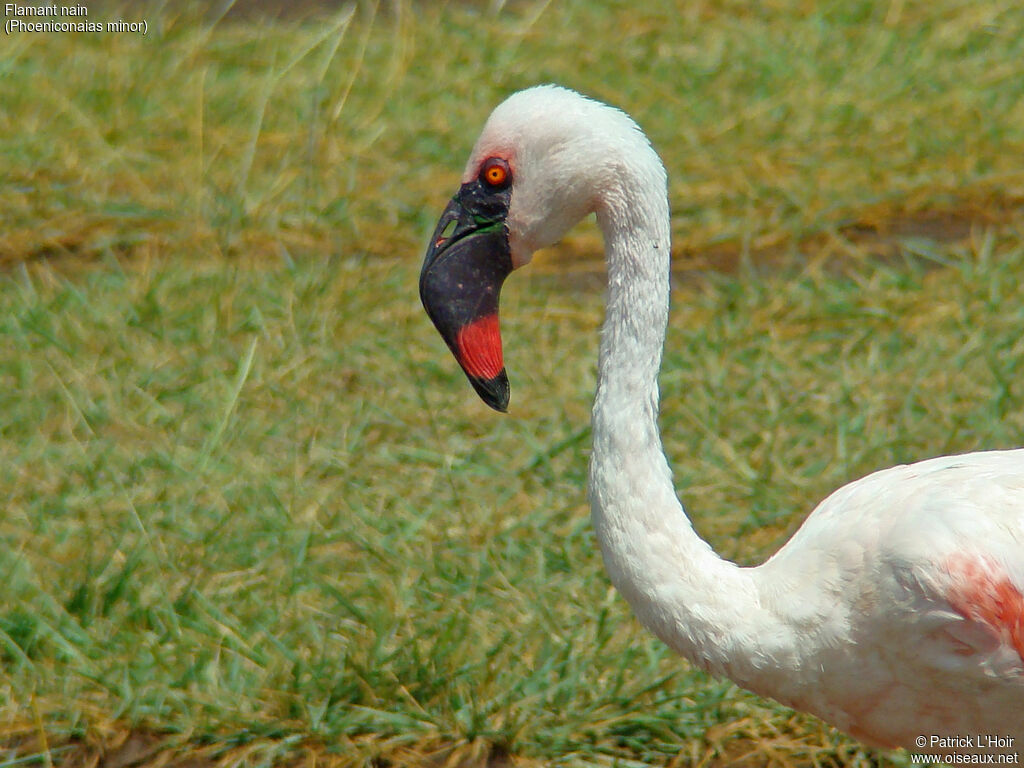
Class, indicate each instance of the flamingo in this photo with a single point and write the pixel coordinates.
(895, 613)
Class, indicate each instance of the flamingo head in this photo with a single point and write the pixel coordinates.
(542, 162)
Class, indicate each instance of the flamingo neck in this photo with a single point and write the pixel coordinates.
(705, 608)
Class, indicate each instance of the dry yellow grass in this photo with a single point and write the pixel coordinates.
(253, 516)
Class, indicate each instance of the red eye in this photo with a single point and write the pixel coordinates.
(495, 173)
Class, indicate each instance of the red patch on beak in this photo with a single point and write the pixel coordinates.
(479, 345)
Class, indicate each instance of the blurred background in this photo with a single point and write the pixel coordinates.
(254, 515)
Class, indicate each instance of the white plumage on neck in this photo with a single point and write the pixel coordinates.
(702, 606)
(585, 157)
(898, 607)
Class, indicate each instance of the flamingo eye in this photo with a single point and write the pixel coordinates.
(495, 173)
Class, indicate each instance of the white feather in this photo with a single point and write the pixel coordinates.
(860, 617)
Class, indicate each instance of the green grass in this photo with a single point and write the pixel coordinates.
(252, 508)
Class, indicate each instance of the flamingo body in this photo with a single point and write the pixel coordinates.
(895, 611)
(901, 591)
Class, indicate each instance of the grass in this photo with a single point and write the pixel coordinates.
(254, 514)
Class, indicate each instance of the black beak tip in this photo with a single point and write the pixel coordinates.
(494, 392)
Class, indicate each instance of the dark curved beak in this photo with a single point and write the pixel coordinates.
(466, 263)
